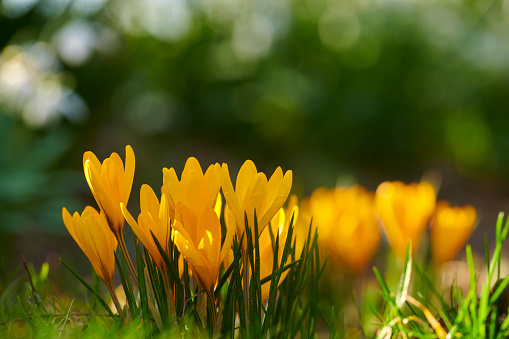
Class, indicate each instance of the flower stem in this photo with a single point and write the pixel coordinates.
(169, 296)
(123, 248)
(114, 297)
(212, 310)
(245, 275)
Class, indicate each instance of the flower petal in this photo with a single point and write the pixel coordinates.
(279, 199)
(128, 174)
(230, 196)
(246, 174)
(148, 200)
(171, 181)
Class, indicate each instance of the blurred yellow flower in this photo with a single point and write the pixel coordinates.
(111, 184)
(92, 234)
(254, 193)
(154, 218)
(405, 212)
(347, 225)
(450, 229)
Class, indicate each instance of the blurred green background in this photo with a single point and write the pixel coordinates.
(339, 91)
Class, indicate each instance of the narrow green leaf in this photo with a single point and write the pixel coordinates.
(142, 287)
(404, 281)
(238, 285)
(228, 323)
(501, 285)
(281, 271)
(223, 280)
(122, 270)
(158, 288)
(173, 275)
(385, 289)
(273, 289)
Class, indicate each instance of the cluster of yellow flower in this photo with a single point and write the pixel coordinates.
(348, 221)
(188, 213)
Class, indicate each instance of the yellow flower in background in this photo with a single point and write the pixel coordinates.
(405, 212)
(154, 218)
(91, 232)
(198, 238)
(450, 229)
(346, 222)
(254, 193)
(322, 208)
(111, 184)
(355, 236)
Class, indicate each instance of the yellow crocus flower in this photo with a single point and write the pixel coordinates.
(254, 193)
(405, 212)
(153, 218)
(197, 234)
(355, 236)
(91, 232)
(111, 184)
(322, 208)
(450, 229)
(347, 225)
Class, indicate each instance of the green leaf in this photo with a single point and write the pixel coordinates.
(140, 263)
(404, 281)
(122, 270)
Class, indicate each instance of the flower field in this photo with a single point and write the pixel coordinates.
(254, 169)
(214, 259)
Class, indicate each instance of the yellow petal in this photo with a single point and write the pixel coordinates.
(212, 180)
(279, 198)
(100, 192)
(128, 174)
(231, 198)
(192, 164)
(211, 239)
(218, 204)
(246, 174)
(171, 181)
(193, 187)
(148, 200)
(163, 226)
(186, 217)
(92, 158)
(68, 222)
(253, 199)
(229, 219)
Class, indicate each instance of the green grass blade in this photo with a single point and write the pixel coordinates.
(140, 263)
(404, 281)
(131, 300)
(223, 280)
